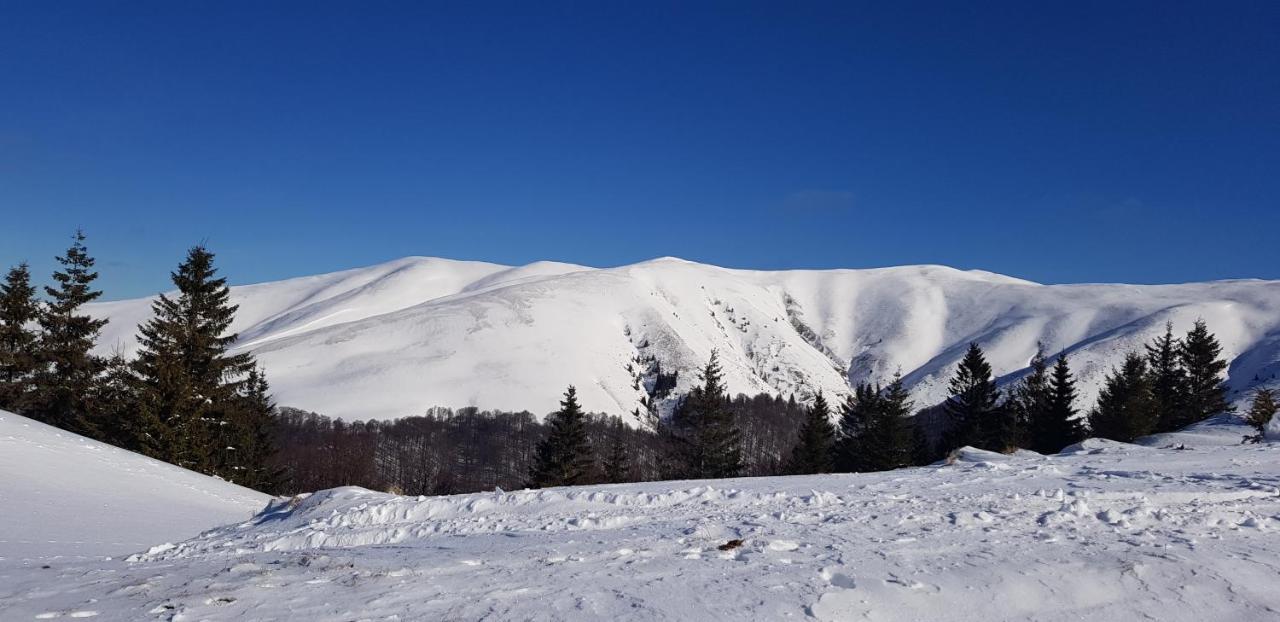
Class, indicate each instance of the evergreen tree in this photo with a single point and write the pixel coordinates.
(974, 407)
(889, 443)
(1261, 411)
(1028, 404)
(250, 438)
(708, 442)
(617, 462)
(1125, 408)
(1168, 380)
(858, 415)
(813, 450)
(18, 309)
(1206, 394)
(564, 457)
(1059, 426)
(67, 370)
(113, 418)
(189, 385)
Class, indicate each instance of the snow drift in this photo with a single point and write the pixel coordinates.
(394, 339)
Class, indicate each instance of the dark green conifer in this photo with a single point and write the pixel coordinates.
(708, 441)
(617, 461)
(1125, 408)
(1201, 358)
(189, 383)
(250, 437)
(1028, 404)
(18, 309)
(67, 369)
(976, 417)
(1168, 380)
(1262, 410)
(1059, 426)
(564, 457)
(113, 416)
(813, 450)
(858, 415)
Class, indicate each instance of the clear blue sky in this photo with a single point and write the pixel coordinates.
(1060, 142)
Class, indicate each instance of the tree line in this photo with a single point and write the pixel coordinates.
(184, 398)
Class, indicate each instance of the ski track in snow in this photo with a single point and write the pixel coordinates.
(1107, 531)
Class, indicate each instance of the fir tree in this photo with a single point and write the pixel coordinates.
(188, 382)
(888, 443)
(813, 450)
(1028, 404)
(67, 370)
(708, 442)
(1059, 425)
(1261, 411)
(564, 457)
(113, 418)
(251, 436)
(1206, 394)
(974, 406)
(857, 418)
(1125, 408)
(617, 462)
(1168, 380)
(18, 309)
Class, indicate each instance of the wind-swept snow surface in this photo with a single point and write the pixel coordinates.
(1107, 532)
(395, 339)
(65, 497)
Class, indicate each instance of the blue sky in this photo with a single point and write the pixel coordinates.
(1060, 142)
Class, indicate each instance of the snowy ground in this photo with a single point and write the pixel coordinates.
(1108, 532)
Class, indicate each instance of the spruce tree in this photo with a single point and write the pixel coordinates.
(974, 407)
(1168, 380)
(813, 450)
(189, 383)
(889, 442)
(564, 457)
(1261, 411)
(1059, 425)
(67, 369)
(1028, 405)
(1206, 394)
(18, 309)
(250, 441)
(1125, 408)
(113, 416)
(858, 415)
(708, 442)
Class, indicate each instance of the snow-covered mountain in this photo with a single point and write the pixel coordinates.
(394, 339)
(63, 496)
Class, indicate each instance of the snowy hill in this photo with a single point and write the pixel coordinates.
(394, 339)
(63, 496)
(1106, 531)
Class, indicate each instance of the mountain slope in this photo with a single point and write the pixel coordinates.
(394, 339)
(65, 496)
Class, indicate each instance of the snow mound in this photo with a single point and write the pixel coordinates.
(393, 339)
(65, 495)
(1095, 446)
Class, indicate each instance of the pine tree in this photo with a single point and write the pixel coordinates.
(858, 415)
(250, 438)
(564, 457)
(813, 450)
(67, 370)
(974, 406)
(1028, 404)
(1059, 426)
(1261, 411)
(617, 462)
(1125, 408)
(708, 442)
(1168, 380)
(18, 309)
(188, 382)
(1206, 394)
